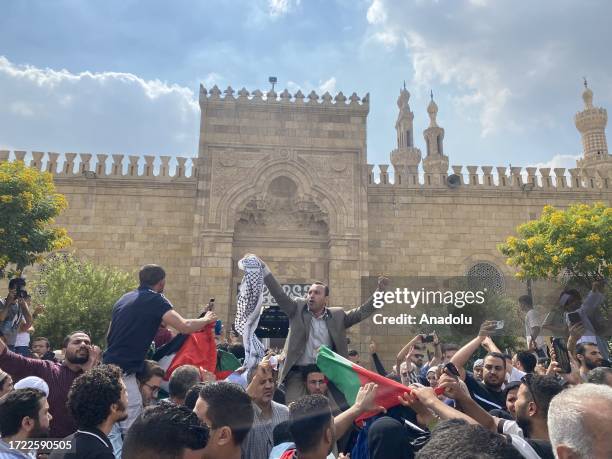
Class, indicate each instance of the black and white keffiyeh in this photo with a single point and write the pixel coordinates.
(249, 308)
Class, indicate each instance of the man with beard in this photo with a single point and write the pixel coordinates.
(97, 399)
(589, 357)
(24, 414)
(80, 357)
(488, 393)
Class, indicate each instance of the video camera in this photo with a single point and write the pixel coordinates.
(19, 284)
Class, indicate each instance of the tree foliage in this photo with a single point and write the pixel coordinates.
(28, 205)
(576, 242)
(78, 295)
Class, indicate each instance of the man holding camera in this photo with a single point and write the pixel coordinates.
(15, 315)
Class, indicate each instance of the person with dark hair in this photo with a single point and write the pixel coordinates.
(149, 380)
(42, 348)
(191, 398)
(316, 382)
(456, 438)
(227, 411)
(511, 391)
(281, 436)
(533, 325)
(525, 361)
(135, 320)
(80, 357)
(533, 399)
(589, 357)
(313, 323)
(166, 431)
(600, 375)
(488, 393)
(6, 383)
(183, 378)
(312, 426)
(97, 399)
(15, 315)
(24, 414)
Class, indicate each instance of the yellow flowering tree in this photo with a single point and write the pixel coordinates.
(28, 205)
(576, 241)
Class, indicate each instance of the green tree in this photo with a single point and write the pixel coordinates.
(28, 205)
(575, 242)
(78, 295)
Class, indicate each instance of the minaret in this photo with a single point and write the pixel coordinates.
(435, 163)
(591, 122)
(405, 158)
(403, 125)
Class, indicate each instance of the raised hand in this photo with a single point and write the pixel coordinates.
(383, 283)
(210, 317)
(366, 399)
(453, 388)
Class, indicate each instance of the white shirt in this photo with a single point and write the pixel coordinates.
(22, 339)
(533, 318)
(317, 336)
(515, 375)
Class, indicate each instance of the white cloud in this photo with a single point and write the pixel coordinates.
(107, 112)
(376, 12)
(328, 86)
(212, 79)
(278, 8)
(566, 161)
(504, 68)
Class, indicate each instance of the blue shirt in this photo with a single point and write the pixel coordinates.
(135, 320)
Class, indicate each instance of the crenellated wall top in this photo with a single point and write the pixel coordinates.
(526, 179)
(102, 165)
(257, 97)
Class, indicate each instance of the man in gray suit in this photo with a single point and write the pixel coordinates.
(313, 323)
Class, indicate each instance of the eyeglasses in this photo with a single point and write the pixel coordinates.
(154, 389)
(419, 356)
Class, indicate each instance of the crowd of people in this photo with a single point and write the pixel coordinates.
(82, 402)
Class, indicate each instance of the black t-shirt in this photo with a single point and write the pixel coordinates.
(488, 399)
(86, 444)
(135, 320)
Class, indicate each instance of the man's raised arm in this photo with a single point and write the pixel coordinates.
(287, 304)
(356, 315)
(464, 354)
(182, 325)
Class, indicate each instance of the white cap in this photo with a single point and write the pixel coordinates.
(32, 382)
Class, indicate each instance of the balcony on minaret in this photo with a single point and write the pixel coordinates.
(591, 123)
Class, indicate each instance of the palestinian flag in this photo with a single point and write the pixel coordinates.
(348, 377)
(226, 364)
(198, 349)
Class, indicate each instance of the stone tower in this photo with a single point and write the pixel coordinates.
(435, 163)
(405, 158)
(591, 122)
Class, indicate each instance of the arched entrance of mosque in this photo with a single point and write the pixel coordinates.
(290, 232)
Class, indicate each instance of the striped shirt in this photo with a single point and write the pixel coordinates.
(259, 441)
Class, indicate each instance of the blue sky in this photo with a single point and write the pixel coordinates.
(121, 76)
